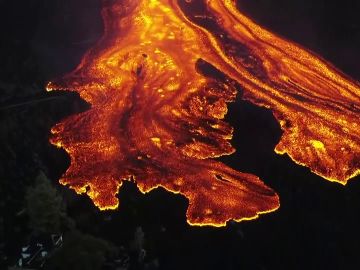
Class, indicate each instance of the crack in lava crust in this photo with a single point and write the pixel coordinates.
(157, 119)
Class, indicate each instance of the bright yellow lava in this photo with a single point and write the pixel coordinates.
(156, 115)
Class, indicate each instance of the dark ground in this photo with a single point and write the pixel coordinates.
(318, 224)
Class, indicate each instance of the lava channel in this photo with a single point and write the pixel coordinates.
(157, 119)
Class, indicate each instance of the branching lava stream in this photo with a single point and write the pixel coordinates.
(156, 118)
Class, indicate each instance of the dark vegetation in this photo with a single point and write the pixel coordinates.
(317, 226)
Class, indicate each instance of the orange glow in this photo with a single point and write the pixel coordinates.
(156, 118)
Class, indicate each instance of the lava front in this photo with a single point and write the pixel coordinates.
(156, 116)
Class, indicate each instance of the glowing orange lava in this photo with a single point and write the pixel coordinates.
(157, 119)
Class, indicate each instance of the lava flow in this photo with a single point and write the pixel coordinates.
(156, 115)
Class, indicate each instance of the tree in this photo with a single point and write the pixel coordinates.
(81, 251)
(44, 206)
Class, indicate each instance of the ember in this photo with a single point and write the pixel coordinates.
(156, 118)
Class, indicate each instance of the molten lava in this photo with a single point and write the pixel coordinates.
(156, 117)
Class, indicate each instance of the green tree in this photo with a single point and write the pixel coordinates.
(81, 251)
(44, 206)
